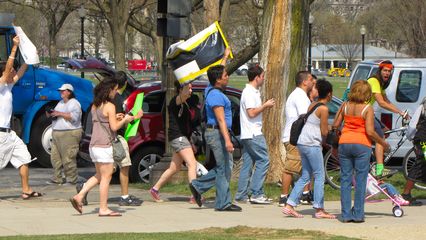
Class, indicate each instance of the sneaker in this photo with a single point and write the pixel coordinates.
(53, 182)
(260, 200)
(412, 201)
(78, 187)
(282, 202)
(155, 195)
(306, 198)
(401, 201)
(130, 201)
(241, 201)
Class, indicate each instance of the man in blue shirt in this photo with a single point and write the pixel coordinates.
(218, 138)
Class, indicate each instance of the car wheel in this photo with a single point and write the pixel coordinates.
(243, 72)
(41, 140)
(143, 161)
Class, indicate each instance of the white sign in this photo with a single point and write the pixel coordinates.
(26, 47)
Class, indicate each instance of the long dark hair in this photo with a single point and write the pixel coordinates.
(378, 74)
(102, 91)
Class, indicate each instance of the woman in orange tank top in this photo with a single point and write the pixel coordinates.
(355, 148)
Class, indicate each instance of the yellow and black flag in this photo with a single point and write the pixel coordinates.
(191, 58)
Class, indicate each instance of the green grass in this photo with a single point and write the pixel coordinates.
(239, 232)
(273, 190)
(339, 83)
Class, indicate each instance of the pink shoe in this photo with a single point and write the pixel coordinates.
(155, 195)
(401, 201)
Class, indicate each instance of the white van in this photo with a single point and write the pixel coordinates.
(406, 91)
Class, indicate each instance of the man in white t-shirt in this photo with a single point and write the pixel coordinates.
(297, 104)
(12, 148)
(255, 151)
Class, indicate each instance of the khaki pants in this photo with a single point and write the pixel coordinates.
(293, 162)
(63, 155)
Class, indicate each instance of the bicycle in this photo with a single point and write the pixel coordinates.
(332, 165)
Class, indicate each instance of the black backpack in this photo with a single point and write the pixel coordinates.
(297, 126)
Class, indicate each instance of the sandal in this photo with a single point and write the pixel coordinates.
(111, 214)
(33, 194)
(292, 213)
(76, 205)
(325, 215)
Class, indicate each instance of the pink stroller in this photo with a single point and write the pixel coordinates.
(373, 188)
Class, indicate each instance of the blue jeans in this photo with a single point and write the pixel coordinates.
(390, 189)
(255, 152)
(312, 164)
(353, 158)
(220, 175)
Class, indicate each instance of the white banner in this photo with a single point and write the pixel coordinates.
(26, 47)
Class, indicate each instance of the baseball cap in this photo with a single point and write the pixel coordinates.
(66, 86)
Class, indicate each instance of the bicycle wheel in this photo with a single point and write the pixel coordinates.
(407, 164)
(332, 170)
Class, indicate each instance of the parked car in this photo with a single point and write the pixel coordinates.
(147, 147)
(242, 70)
(406, 90)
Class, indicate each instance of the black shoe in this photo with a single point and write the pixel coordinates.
(282, 202)
(130, 201)
(78, 187)
(358, 221)
(348, 221)
(306, 199)
(413, 201)
(230, 208)
(197, 196)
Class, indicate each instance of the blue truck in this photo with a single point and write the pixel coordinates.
(35, 92)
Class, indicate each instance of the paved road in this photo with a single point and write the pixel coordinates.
(53, 214)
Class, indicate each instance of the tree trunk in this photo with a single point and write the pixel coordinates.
(211, 11)
(282, 27)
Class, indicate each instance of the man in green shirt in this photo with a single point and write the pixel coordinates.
(379, 82)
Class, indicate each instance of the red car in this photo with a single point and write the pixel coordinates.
(147, 147)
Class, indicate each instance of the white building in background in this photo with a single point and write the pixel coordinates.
(327, 56)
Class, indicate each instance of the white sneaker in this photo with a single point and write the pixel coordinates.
(260, 200)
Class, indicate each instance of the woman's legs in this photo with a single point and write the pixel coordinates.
(362, 166)
(105, 170)
(346, 168)
(191, 163)
(174, 167)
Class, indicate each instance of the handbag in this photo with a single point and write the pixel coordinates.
(118, 151)
(297, 126)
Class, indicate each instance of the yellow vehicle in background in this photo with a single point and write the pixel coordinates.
(341, 72)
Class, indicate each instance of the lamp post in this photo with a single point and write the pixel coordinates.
(363, 30)
(82, 14)
(311, 20)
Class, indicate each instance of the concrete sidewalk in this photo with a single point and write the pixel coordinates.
(53, 214)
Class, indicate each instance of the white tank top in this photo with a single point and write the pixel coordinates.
(6, 104)
(311, 132)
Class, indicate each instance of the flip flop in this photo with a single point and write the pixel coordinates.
(291, 213)
(111, 214)
(324, 215)
(76, 205)
(33, 194)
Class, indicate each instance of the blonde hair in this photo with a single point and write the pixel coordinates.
(360, 92)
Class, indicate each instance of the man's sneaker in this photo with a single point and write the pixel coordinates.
(241, 201)
(306, 198)
(260, 200)
(401, 201)
(282, 202)
(78, 187)
(130, 201)
(155, 195)
(412, 201)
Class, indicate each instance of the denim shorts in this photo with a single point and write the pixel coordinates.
(180, 143)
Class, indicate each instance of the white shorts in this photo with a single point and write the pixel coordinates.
(101, 155)
(13, 150)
